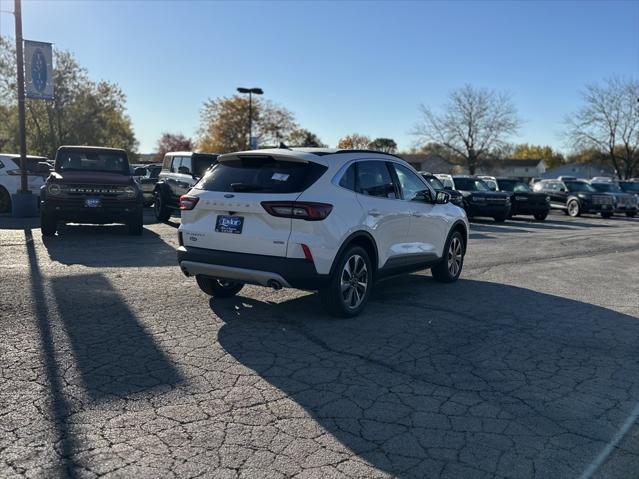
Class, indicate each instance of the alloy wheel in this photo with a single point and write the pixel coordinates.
(454, 257)
(573, 208)
(354, 281)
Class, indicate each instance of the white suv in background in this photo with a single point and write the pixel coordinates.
(317, 219)
(37, 172)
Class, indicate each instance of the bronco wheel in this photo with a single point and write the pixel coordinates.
(48, 225)
(5, 201)
(136, 224)
(218, 288)
(574, 209)
(450, 266)
(162, 213)
(350, 285)
(631, 214)
(541, 216)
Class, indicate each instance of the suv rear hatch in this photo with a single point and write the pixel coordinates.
(229, 214)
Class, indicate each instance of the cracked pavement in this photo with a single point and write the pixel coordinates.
(114, 364)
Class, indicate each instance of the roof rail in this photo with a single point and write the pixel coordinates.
(367, 151)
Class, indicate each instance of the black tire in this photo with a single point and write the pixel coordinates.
(606, 215)
(162, 212)
(48, 225)
(136, 224)
(500, 218)
(5, 201)
(631, 214)
(541, 216)
(350, 302)
(574, 208)
(450, 266)
(218, 288)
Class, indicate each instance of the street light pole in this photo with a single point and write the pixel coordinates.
(21, 121)
(250, 91)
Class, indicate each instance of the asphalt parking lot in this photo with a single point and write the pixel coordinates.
(114, 364)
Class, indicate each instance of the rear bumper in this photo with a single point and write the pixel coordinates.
(250, 268)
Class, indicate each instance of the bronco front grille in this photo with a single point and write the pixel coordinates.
(602, 200)
(107, 190)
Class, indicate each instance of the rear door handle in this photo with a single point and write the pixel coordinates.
(374, 212)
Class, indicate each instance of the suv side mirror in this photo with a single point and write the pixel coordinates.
(441, 198)
(423, 195)
(139, 171)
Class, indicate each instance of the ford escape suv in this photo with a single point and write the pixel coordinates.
(316, 219)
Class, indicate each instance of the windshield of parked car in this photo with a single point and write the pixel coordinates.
(77, 159)
(434, 182)
(492, 185)
(201, 163)
(513, 185)
(630, 186)
(470, 184)
(576, 186)
(606, 187)
(153, 171)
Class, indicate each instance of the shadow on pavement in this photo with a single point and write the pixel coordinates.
(110, 246)
(113, 352)
(473, 379)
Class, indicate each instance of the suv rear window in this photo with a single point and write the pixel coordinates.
(261, 174)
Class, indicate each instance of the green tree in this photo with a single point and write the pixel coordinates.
(525, 151)
(387, 145)
(608, 122)
(84, 112)
(472, 125)
(304, 138)
(172, 142)
(224, 124)
(354, 142)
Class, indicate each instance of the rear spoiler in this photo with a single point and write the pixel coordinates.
(256, 156)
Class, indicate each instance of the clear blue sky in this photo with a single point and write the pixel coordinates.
(341, 67)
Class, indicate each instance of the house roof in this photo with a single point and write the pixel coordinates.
(521, 163)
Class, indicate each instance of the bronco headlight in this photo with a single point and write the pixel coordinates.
(54, 189)
(129, 191)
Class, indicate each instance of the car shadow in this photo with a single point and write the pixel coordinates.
(473, 379)
(108, 246)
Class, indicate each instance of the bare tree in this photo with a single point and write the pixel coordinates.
(473, 123)
(609, 123)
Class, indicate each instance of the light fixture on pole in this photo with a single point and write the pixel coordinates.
(251, 92)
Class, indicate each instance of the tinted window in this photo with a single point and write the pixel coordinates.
(201, 163)
(578, 186)
(348, 179)
(185, 165)
(374, 179)
(411, 184)
(434, 182)
(470, 184)
(261, 174)
(631, 186)
(513, 185)
(606, 187)
(78, 159)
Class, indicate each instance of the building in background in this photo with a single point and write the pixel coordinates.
(580, 170)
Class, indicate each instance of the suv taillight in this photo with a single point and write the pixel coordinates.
(188, 202)
(298, 209)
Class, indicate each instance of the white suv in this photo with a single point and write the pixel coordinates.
(317, 219)
(37, 171)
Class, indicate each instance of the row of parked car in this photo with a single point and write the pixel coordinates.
(502, 198)
(321, 219)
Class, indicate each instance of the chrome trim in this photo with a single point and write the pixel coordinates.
(191, 268)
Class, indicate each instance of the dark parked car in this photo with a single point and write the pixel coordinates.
(575, 197)
(180, 171)
(91, 185)
(523, 201)
(630, 186)
(148, 182)
(624, 202)
(456, 197)
(480, 201)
